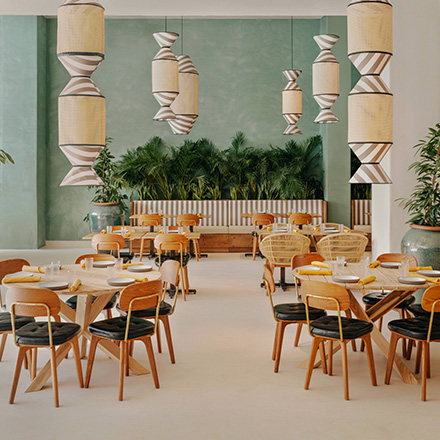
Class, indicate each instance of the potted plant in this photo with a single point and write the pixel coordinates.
(109, 201)
(423, 205)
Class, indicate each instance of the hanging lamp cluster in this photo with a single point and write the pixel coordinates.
(81, 106)
(326, 78)
(370, 103)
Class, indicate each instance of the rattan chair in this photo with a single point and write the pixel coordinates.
(279, 249)
(351, 246)
(259, 220)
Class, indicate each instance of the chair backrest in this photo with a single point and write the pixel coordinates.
(350, 245)
(150, 289)
(96, 257)
(108, 242)
(130, 229)
(33, 299)
(170, 242)
(169, 272)
(305, 259)
(262, 219)
(149, 220)
(10, 266)
(431, 295)
(326, 296)
(280, 248)
(398, 258)
(188, 220)
(269, 282)
(300, 219)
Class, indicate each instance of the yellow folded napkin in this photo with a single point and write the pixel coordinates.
(75, 285)
(415, 269)
(138, 279)
(103, 231)
(374, 264)
(36, 269)
(320, 264)
(31, 279)
(124, 266)
(429, 279)
(127, 235)
(367, 280)
(314, 272)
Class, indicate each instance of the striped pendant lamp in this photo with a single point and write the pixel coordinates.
(370, 103)
(81, 106)
(326, 78)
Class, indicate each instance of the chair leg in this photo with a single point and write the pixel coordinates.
(409, 349)
(370, 357)
(402, 316)
(330, 358)
(122, 350)
(109, 313)
(254, 248)
(323, 358)
(391, 353)
(353, 342)
(166, 325)
(34, 363)
(315, 346)
(380, 324)
(279, 346)
(345, 369)
(425, 368)
(2, 345)
(76, 355)
(141, 250)
(428, 349)
(418, 357)
(128, 346)
(53, 365)
(275, 341)
(20, 357)
(185, 273)
(158, 337)
(149, 347)
(93, 343)
(298, 334)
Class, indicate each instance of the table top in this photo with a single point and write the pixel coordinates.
(385, 278)
(93, 282)
(188, 235)
(171, 215)
(133, 235)
(306, 231)
(280, 214)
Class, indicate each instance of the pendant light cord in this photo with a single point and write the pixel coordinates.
(291, 41)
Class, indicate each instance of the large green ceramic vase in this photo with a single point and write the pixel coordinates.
(423, 242)
(105, 214)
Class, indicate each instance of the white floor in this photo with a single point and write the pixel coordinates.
(222, 385)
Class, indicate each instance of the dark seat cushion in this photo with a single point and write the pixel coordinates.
(296, 312)
(164, 309)
(416, 328)
(37, 333)
(328, 327)
(419, 312)
(115, 328)
(176, 257)
(71, 302)
(373, 298)
(6, 324)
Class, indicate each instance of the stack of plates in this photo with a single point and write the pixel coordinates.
(105, 263)
(429, 273)
(412, 280)
(139, 268)
(345, 279)
(390, 265)
(120, 282)
(54, 285)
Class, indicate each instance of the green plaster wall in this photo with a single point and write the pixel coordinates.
(21, 220)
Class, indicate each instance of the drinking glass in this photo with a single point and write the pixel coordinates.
(405, 268)
(111, 272)
(333, 267)
(109, 229)
(341, 228)
(88, 263)
(71, 276)
(365, 262)
(56, 268)
(322, 227)
(49, 271)
(340, 261)
(118, 264)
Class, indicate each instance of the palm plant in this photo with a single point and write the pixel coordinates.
(5, 157)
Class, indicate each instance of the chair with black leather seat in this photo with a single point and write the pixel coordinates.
(285, 314)
(169, 274)
(420, 330)
(127, 329)
(333, 297)
(72, 301)
(41, 303)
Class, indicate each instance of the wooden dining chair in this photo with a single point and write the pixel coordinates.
(130, 229)
(349, 245)
(72, 301)
(127, 329)
(285, 314)
(303, 260)
(34, 303)
(108, 242)
(332, 328)
(174, 247)
(190, 222)
(152, 221)
(279, 249)
(259, 220)
(300, 219)
(421, 330)
(169, 272)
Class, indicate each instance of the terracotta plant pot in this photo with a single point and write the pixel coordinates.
(105, 214)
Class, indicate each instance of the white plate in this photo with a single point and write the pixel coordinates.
(105, 263)
(142, 268)
(279, 230)
(54, 285)
(310, 267)
(331, 231)
(429, 273)
(21, 274)
(411, 280)
(390, 265)
(120, 282)
(345, 279)
(375, 292)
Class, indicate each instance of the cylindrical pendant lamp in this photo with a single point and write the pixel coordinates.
(326, 78)
(186, 104)
(165, 75)
(370, 103)
(81, 106)
(292, 102)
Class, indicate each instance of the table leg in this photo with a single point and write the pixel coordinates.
(82, 317)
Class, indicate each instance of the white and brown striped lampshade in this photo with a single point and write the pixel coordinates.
(326, 78)
(292, 102)
(165, 75)
(186, 104)
(370, 103)
(81, 106)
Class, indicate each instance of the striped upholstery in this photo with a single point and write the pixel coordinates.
(226, 212)
(359, 210)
